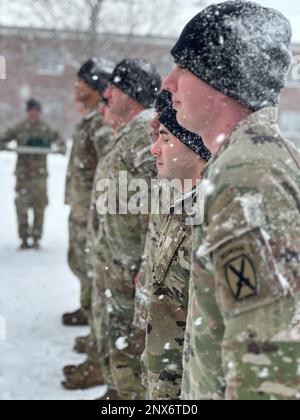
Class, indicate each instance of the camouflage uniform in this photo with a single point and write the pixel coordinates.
(31, 172)
(119, 248)
(143, 286)
(163, 354)
(89, 145)
(97, 310)
(241, 342)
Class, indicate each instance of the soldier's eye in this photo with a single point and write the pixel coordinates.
(180, 66)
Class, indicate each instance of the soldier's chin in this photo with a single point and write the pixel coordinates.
(184, 120)
(164, 176)
(160, 173)
(180, 116)
(80, 97)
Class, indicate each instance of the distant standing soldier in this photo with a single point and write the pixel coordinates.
(31, 170)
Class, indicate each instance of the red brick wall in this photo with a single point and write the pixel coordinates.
(25, 50)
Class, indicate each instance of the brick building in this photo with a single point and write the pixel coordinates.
(290, 101)
(43, 64)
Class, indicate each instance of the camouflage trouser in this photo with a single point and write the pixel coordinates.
(31, 194)
(126, 342)
(100, 321)
(79, 259)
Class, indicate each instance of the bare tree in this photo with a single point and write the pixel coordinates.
(76, 15)
(93, 16)
(148, 18)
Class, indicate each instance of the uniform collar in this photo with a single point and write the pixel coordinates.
(183, 203)
(90, 115)
(267, 116)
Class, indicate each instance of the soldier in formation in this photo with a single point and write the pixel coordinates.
(89, 146)
(120, 236)
(242, 342)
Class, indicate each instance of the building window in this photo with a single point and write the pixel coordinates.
(53, 109)
(49, 62)
(6, 111)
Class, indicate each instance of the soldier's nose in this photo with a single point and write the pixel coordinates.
(170, 82)
(155, 149)
(107, 93)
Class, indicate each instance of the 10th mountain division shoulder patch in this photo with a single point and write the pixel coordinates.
(241, 278)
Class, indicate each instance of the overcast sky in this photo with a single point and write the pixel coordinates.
(291, 8)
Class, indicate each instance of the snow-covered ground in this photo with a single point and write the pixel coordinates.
(36, 287)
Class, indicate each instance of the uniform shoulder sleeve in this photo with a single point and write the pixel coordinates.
(252, 237)
(136, 146)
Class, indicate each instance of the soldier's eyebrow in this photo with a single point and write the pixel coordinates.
(163, 132)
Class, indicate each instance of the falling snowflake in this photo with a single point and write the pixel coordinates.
(121, 343)
(167, 346)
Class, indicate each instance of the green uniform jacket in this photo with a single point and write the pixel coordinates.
(162, 359)
(32, 134)
(242, 338)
